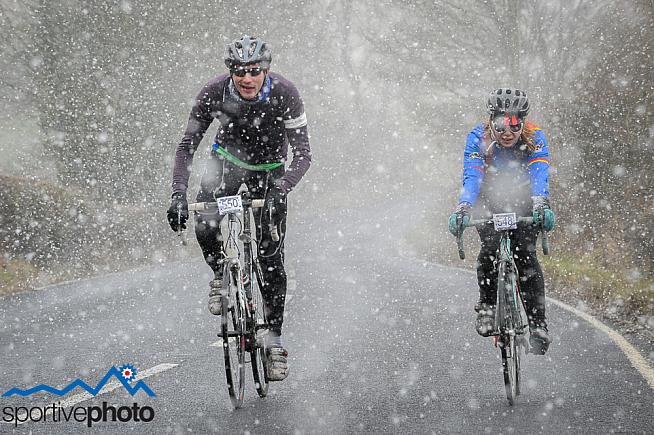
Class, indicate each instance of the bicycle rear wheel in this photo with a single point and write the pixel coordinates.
(233, 335)
(511, 367)
(259, 372)
(258, 352)
(519, 347)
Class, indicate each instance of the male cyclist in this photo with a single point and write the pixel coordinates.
(505, 169)
(260, 114)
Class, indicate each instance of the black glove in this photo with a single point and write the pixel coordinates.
(178, 212)
(276, 197)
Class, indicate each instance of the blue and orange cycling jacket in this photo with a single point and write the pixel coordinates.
(499, 179)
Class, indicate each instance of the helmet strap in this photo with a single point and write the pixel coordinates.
(492, 130)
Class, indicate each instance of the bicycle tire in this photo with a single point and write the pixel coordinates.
(509, 318)
(519, 319)
(234, 346)
(503, 316)
(510, 366)
(518, 377)
(258, 355)
(259, 370)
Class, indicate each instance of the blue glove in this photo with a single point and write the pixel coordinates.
(460, 216)
(548, 219)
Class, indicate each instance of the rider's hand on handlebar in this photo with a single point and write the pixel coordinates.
(178, 212)
(543, 213)
(459, 219)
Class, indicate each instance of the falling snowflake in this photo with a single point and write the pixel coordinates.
(128, 372)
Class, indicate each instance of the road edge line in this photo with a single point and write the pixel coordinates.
(637, 361)
(633, 355)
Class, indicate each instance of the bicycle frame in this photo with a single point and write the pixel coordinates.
(510, 315)
(511, 320)
(243, 312)
(249, 268)
(235, 259)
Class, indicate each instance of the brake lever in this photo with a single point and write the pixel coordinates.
(459, 237)
(545, 242)
(272, 227)
(180, 232)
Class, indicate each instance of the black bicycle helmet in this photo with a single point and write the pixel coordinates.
(246, 51)
(506, 101)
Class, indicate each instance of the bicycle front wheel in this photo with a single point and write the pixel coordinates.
(258, 352)
(511, 367)
(233, 335)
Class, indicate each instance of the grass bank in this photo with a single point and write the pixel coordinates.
(49, 234)
(16, 276)
(617, 294)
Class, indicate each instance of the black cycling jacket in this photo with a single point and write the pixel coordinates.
(254, 131)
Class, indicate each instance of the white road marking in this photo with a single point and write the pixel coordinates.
(110, 386)
(635, 358)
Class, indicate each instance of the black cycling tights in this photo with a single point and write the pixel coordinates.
(532, 284)
(223, 179)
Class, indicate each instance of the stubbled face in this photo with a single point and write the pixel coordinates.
(248, 86)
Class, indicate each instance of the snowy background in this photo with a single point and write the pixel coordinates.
(96, 94)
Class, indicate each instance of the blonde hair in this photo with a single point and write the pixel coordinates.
(526, 136)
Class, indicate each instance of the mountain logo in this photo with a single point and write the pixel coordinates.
(124, 375)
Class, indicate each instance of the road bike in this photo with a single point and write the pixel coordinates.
(243, 321)
(511, 322)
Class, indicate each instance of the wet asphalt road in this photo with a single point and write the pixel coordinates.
(379, 342)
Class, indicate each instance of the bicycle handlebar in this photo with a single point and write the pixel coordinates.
(213, 205)
(483, 222)
(203, 206)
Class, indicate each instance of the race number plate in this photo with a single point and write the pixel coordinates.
(229, 204)
(505, 221)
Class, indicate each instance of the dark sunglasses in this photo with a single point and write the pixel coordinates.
(500, 123)
(240, 72)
